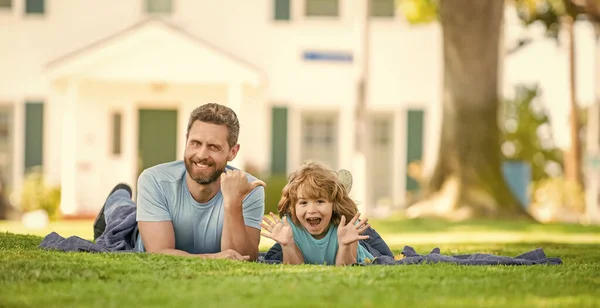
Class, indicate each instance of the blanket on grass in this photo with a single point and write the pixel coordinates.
(534, 257)
(119, 236)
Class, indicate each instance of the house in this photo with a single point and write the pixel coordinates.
(94, 92)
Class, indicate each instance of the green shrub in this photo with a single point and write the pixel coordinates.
(275, 184)
(36, 195)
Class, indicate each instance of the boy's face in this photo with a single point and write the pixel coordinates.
(314, 214)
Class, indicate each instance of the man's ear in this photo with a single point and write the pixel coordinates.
(233, 152)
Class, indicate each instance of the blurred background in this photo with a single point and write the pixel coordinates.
(94, 92)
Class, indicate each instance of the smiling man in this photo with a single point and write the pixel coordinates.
(199, 206)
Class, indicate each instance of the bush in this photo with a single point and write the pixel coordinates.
(36, 195)
(557, 200)
(275, 184)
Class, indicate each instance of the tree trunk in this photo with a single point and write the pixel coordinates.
(573, 171)
(468, 180)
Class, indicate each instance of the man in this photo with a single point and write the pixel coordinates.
(199, 206)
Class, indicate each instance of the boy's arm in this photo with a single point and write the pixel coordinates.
(346, 254)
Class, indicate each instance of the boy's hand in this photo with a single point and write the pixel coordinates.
(280, 230)
(350, 233)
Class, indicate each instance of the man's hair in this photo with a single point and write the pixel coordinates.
(316, 181)
(220, 115)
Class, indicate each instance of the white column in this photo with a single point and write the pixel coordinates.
(234, 101)
(360, 191)
(68, 203)
(130, 152)
(593, 148)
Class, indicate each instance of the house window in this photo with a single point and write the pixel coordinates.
(5, 4)
(281, 9)
(117, 125)
(6, 145)
(34, 6)
(380, 157)
(159, 6)
(320, 138)
(382, 8)
(320, 8)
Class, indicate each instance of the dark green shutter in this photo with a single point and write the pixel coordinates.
(414, 144)
(35, 6)
(279, 145)
(34, 134)
(382, 8)
(282, 9)
(117, 120)
(6, 3)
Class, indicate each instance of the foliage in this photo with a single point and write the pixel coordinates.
(419, 11)
(549, 12)
(558, 200)
(527, 134)
(275, 184)
(36, 195)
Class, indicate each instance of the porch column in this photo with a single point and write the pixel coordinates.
(68, 204)
(234, 101)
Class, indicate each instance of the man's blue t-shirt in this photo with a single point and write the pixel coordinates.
(163, 195)
(322, 251)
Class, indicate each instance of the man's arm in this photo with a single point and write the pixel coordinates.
(238, 236)
(158, 237)
(244, 205)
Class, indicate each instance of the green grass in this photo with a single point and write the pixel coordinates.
(33, 277)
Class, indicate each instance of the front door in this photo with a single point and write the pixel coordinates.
(157, 140)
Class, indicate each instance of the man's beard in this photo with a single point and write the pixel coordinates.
(203, 180)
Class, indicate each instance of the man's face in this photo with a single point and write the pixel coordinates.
(207, 152)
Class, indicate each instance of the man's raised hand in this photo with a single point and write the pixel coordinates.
(235, 185)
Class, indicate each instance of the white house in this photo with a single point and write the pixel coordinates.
(96, 91)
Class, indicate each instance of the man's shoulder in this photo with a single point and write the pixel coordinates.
(165, 172)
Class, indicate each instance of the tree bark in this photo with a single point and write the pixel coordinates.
(468, 181)
(573, 171)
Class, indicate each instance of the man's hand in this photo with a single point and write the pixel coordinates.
(235, 187)
(281, 231)
(229, 254)
(350, 233)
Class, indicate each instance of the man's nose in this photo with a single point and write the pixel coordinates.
(202, 152)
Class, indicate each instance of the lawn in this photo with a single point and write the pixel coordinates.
(32, 277)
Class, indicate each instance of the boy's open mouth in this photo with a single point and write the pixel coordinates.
(313, 221)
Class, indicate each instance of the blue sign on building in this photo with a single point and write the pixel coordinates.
(328, 56)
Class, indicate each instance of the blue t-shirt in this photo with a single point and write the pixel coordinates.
(163, 195)
(322, 251)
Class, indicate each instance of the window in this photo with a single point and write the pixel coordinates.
(281, 9)
(34, 6)
(322, 8)
(117, 120)
(319, 138)
(5, 4)
(382, 8)
(380, 157)
(159, 6)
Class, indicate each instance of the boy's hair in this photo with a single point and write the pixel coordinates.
(220, 115)
(316, 181)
